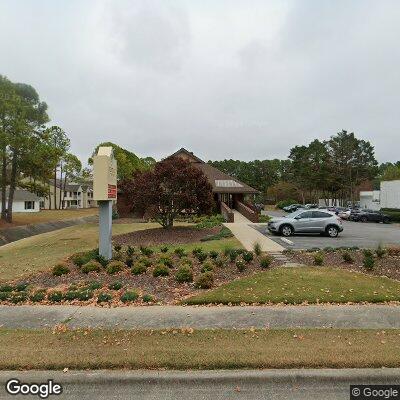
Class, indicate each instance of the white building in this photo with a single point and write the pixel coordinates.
(387, 197)
(24, 201)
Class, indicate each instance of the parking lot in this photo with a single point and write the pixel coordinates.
(363, 235)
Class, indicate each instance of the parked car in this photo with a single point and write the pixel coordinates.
(307, 221)
(311, 206)
(292, 207)
(369, 215)
(343, 212)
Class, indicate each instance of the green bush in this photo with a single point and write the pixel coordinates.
(380, 251)
(201, 257)
(138, 268)
(186, 262)
(129, 296)
(369, 263)
(318, 259)
(115, 286)
(233, 255)
(38, 296)
(347, 257)
(71, 295)
(84, 295)
(184, 274)
(257, 249)
(145, 261)
(82, 258)
(205, 280)
(284, 203)
(114, 267)
(393, 213)
(104, 298)
(167, 261)
(197, 250)
(219, 262)
(102, 260)
(55, 297)
(240, 264)
(117, 247)
(147, 298)
(224, 233)
(266, 261)
(91, 266)
(18, 297)
(207, 266)
(146, 251)
(248, 256)
(60, 269)
(367, 253)
(180, 252)
(160, 270)
(6, 288)
(93, 285)
(129, 262)
(130, 251)
(164, 249)
(20, 287)
(4, 296)
(214, 254)
(209, 221)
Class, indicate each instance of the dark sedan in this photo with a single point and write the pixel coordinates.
(369, 216)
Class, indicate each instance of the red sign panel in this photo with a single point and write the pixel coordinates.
(112, 191)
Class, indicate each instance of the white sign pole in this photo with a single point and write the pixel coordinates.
(105, 192)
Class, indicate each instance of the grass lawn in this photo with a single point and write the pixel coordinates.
(48, 216)
(41, 252)
(202, 349)
(303, 284)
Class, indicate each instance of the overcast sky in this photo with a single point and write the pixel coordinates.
(225, 79)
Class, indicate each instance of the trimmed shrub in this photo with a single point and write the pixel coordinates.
(197, 250)
(84, 295)
(130, 251)
(147, 298)
(167, 261)
(367, 253)
(18, 297)
(380, 251)
(207, 266)
(205, 280)
(164, 249)
(104, 298)
(114, 267)
(210, 221)
(369, 263)
(240, 264)
(102, 260)
(115, 286)
(129, 262)
(257, 249)
(55, 297)
(184, 274)
(202, 257)
(248, 256)
(145, 261)
(4, 296)
(233, 255)
(129, 296)
(146, 251)
(318, 259)
(6, 288)
(214, 254)
(347, 257)
(117, 247)
(94, 285)
(20, 287)
(180, 252)
(138, 268)
(60, 269)
(227, 250)
(37, 296)
(71, 295)
(186, 262)
(82, 258)
(265, 262)
(91, 266)
(160, 270)
(219, 262)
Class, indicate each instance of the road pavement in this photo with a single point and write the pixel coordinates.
(195, 385)
(222, 317)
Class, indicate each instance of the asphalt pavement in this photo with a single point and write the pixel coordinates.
(359, 234)
(218, 317)
(298, 384)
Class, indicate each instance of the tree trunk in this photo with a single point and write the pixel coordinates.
(13, 183)
(3, 184)
(61, 188)
(55, 188)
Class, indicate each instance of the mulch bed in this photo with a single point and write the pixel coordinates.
(165, 290)
(388, 265)
(158, 236)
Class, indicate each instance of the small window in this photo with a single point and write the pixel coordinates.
(29, 205)
(321, 214)
(307, 214)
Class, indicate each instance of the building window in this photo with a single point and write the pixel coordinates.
(29, 205)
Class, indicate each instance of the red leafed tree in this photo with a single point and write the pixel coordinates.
(172, 188)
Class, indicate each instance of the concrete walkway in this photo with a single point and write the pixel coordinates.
(243, 230)
(224, 317)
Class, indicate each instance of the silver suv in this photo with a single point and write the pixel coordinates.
(307, 221)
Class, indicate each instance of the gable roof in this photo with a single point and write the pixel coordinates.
(220, 181)
(23, 195)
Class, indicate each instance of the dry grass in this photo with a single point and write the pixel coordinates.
(48, 216)
(203, 349)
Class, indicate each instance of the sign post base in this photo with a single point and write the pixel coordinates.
(105, 228)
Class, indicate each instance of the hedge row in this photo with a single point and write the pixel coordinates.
(393, 213)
